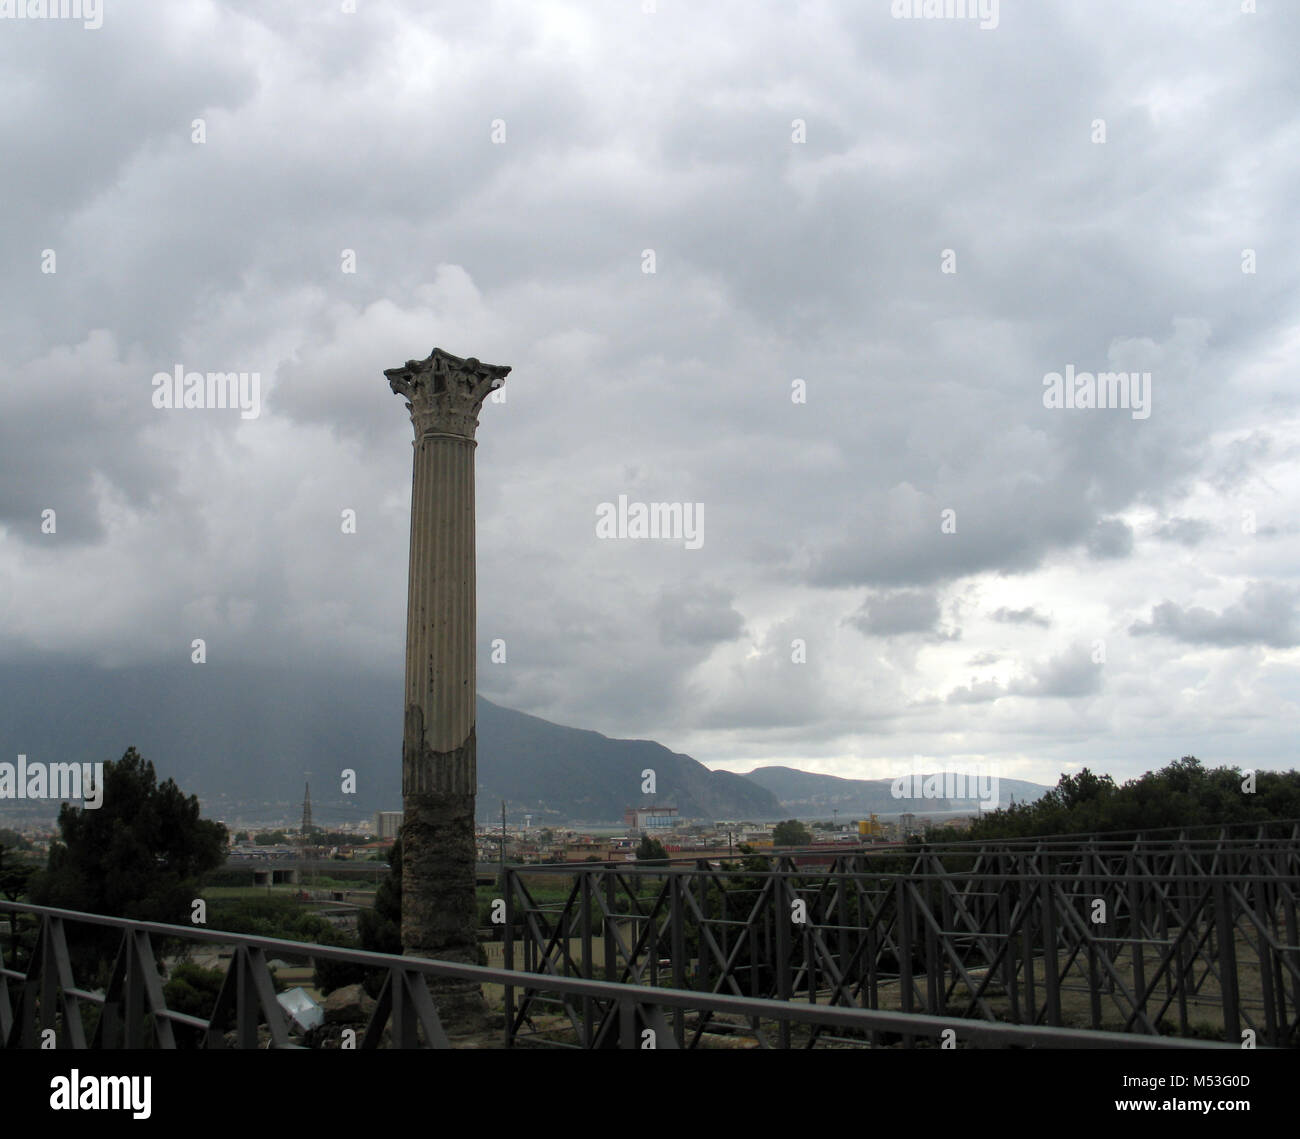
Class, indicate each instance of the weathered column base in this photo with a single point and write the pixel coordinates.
(462, 1011)
(440, 902)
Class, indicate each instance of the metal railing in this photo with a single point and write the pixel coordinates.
(1035, 943)
(42, 1004)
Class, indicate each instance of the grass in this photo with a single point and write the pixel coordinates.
(283, 889)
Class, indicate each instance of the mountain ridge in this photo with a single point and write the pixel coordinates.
(245, 739)
(810, 792)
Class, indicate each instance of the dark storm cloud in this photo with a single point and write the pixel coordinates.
(893, 612)
(1110, 538)
(1071, 673)
(697, 615)
(1267, 614)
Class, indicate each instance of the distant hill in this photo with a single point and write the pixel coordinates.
(804, 793)
(243, 738)
(573, 775)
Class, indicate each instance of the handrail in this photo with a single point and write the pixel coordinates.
(628, 997)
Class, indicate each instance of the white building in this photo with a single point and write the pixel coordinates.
(650, 818)
(388, 824)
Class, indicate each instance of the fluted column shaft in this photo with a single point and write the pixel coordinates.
(439, 775)
(439, 771)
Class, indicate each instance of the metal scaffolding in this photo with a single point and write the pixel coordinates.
(1184, 934)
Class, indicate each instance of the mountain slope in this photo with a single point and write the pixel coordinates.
(244, 738)
(578, 775)
(807, 793)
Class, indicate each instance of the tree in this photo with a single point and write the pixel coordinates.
(332, 838)
(651, 850)
(14, 880)
(141, 854)
(1183, 793)
(380, 928)
(15, 876)
(1085, 787)
(193, 990)
(791, 833)
(13, 840)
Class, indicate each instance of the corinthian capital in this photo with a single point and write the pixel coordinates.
(444, 392)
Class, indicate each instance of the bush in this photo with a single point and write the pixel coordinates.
(193, 990)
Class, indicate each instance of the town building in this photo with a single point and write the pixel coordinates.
(650, 818)
(388, 824)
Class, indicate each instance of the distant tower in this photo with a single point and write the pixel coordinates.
(306, 811)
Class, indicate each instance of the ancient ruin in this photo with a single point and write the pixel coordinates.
(439, 777)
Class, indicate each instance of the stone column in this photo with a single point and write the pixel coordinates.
(439, 775)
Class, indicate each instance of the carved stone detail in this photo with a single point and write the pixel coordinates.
(444, 392)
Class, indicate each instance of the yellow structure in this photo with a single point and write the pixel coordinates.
(870, 828)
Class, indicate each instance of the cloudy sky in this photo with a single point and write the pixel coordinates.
(806, 265)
